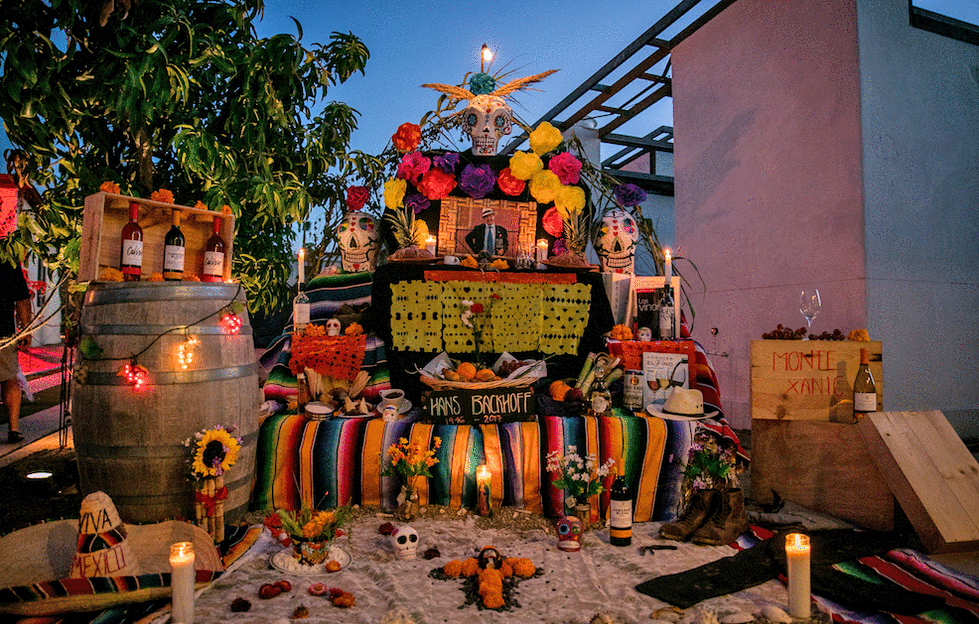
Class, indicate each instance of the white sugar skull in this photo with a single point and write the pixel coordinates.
(487, 119)
(359, 240)
(569, 529)
(615, 241)
(333, 327)
(404, 541)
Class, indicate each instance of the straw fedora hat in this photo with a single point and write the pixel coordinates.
(682, 404)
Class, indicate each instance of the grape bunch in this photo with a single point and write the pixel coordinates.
(836, 335)
(784, 333)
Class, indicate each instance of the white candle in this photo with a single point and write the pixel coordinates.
(668, 273)
(430, 244)
(797, 559)
(541, 249)
(483, 489)
(302, 265)
(182, 575)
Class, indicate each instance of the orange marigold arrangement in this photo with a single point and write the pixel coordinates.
(162, 195)
(489, 575)
(109, 187)
(408, 460)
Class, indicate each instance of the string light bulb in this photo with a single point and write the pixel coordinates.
(485, 56)
(231, 323)
(134, 374)
(186, 351)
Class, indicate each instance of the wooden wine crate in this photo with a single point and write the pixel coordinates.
(107, 213)
(810, 379)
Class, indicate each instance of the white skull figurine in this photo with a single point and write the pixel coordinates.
(615, 241)
(333, 327)
(487, 119)
(404, 540)
(359, 240)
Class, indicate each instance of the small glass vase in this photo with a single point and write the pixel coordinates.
(582, 511)
(408, 507)
(310, 552)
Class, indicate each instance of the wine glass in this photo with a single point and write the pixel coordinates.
(809, 307)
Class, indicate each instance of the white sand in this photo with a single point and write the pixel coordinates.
(573, 588)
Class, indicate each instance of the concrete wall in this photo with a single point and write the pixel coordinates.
(920, 101)
(767, 160)
(829, 144)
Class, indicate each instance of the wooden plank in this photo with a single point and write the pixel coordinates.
(931, 473)
(809, 379)
(820, 465)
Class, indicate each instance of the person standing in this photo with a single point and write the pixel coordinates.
(15, 298)
(487, 236)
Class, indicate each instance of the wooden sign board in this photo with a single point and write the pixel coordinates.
(477, 407)
(809, 379)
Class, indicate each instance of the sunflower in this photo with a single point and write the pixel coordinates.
(216, 451)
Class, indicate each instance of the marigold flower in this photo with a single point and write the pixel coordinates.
(109, 187)
(470, 567)
(545, 138)
(162, 195)
(523, 165)
(453, 568)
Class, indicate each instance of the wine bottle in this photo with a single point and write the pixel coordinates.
(300, 310)
(667, 315)
(864, 388)
(173, 251)
(599, 398)
(214, 255)
(131, 248)
(620, 508)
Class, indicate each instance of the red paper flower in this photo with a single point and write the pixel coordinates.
(357, 196)
(436, 185)
(477, 308)
(510, 185)
(408, 137)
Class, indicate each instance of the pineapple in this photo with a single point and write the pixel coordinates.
(403, 228)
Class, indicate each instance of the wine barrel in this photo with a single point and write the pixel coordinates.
(129, 441)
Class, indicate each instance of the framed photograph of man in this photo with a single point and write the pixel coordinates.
(468, 226)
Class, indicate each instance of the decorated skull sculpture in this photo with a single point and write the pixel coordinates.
(404, 541)
(569, 530)
(615, 241)
(359, 240)
(487, 119)
(333, 327)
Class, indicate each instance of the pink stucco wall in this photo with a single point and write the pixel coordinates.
(768, 175)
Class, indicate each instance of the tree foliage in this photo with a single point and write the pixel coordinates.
(182, 95)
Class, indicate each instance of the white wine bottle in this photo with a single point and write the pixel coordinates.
(620, 508)
(864, 388)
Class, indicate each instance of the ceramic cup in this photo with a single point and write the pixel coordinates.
(392, 397)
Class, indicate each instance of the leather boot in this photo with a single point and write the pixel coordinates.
(728, 522)
(703, 504)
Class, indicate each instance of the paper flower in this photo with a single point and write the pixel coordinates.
(566, 167)
(447, 162)
(109, 187)
(544, 187)
(477, 180)
(394, 193)
(509, 184)
(407, 138)
(569, 200)
(417, 202)
(545, 138)
(629, 194)
(523, 165)
(357, 196)
(162, 195)
(482, 84)
(436, 185)
(413, 166)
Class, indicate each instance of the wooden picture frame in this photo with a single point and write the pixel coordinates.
(459, 215)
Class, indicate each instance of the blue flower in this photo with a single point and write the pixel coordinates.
(482, 84)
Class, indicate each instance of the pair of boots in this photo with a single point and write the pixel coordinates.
(713, 518)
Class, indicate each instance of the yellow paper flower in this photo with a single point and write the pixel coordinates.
(420, 233)
(545, 138)
(545, 186)
(523, 165)
(569, 200)
(394, 193)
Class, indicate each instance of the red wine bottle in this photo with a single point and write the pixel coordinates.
(620, 509)
(214, 255)
(131, 246)
(173, 251)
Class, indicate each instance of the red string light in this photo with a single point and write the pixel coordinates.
(231, 323)
(134, 374)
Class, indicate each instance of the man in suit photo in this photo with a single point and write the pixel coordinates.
(487, 236)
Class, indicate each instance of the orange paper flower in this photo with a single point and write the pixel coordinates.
(408, 137)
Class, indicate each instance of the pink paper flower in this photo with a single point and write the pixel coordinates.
(566, 167)
(413, 166)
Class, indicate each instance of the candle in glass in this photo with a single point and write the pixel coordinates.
(541, 249)
(182, 575)
(797, 560)
(302, 265)
(483, 490)
(430, 244)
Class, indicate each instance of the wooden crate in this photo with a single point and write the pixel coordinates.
(931, 473)
(823, 466)
(107, 213)
(809, 379)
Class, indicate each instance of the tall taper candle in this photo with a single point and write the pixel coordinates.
(483, 494)
(302, 265)
(669, 267)
(797, 552)
(182, 576)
